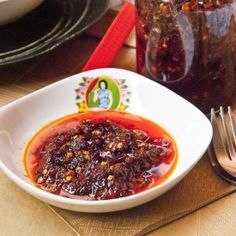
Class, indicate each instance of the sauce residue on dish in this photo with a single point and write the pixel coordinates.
(100, 155)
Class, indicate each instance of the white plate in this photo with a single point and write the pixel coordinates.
(21, 119)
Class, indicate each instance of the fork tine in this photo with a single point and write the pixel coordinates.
(232, 123)
(217, 141)
(218, 151)
(228, 141)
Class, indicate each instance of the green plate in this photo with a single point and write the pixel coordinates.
(47, 27)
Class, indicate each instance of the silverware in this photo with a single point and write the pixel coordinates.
(222, 150)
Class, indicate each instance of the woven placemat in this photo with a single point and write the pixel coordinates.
(199, 188)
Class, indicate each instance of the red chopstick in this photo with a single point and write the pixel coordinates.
(113, 39)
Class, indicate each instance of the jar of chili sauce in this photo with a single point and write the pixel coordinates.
(190, 47)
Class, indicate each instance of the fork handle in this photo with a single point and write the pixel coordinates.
(113, 39)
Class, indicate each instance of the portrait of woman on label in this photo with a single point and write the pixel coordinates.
(103, 95)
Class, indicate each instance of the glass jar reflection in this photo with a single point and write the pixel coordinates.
(190, 47)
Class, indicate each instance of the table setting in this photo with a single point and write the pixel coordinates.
(92, 93)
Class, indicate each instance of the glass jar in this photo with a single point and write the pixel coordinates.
(190, 47)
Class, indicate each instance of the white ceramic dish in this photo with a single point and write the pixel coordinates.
(11, 10)
(21, 119)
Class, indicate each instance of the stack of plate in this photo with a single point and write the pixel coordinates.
(45, 28)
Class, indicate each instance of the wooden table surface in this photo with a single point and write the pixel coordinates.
(23, 78)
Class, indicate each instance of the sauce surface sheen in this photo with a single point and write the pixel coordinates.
(100, 155)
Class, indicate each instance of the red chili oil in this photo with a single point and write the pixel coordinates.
(100, 155)
(189, 47)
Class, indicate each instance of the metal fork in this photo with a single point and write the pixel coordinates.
(222, 150)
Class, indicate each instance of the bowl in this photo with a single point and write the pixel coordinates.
(21, 119)
(11, 10)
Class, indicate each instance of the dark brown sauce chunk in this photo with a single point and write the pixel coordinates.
(100, 160)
